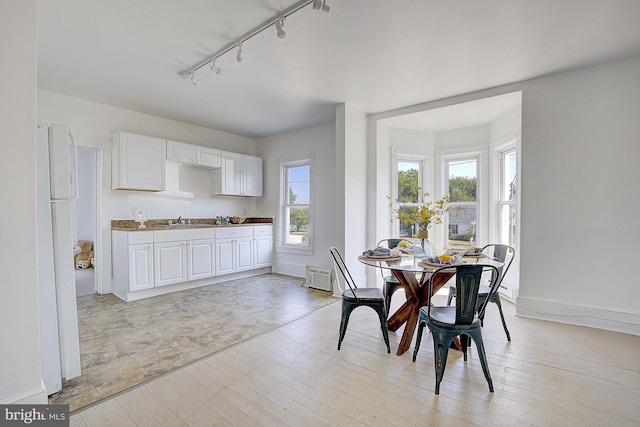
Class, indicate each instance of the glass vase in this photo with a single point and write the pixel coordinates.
(425, 243)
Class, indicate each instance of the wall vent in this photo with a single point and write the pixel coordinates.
(319, 277)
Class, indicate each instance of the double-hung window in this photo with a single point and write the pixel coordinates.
(462, 187)
(408, 190)
(508, 198)
(296, 205)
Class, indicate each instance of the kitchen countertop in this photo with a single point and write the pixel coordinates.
(163, 224)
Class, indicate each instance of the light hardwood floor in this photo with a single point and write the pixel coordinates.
(549, 375)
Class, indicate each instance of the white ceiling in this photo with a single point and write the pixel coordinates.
(375, 55)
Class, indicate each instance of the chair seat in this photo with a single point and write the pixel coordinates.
(391, 279)
(363, 294)
(445, 318)
(484, 290)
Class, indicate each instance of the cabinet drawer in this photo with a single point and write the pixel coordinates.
(262, 230)
(178, 235)
(139, 237)
(233, 232)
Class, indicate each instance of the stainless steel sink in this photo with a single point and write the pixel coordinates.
(185, 225)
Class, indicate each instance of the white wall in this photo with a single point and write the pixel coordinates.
(318, 143)
(579, 206)
(19, 352)
(94, 125)
(580, 201)
(84, 207)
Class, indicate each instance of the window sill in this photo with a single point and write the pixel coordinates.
(294, 250)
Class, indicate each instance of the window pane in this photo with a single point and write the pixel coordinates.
(462, 180)
(298, 185)
(508, 225)
(298, 223)
(408, 181)
(509, 176)
(463, 215)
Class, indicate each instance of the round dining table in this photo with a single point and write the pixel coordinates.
(413, 274)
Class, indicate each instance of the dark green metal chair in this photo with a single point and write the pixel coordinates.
(354, 297)
(447, 322)
(390, 283)
(505, 254)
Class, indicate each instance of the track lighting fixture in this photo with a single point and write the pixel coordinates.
(240, 55)
(280, 28)
(321, 5)
(215, 69)
(276, 21)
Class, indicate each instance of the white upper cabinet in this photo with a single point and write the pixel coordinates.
(193, 155)
(181, 153)
(138, 162)
(208, 157)
(239, 175)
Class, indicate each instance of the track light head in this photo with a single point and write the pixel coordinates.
(215, 69)
(240, 55)
(193, 79)
(280, 28)
(321, 5)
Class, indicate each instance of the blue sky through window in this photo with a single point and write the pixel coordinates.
(299, 183)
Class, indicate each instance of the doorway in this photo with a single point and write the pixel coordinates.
(84, 219)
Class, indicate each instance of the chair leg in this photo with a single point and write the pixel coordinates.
(441, 342)
(496, 300)
(382, 314)
(477, 337)
(344, 321)
(388, 293)
(465, 343)
(452, 293)
(418, 339)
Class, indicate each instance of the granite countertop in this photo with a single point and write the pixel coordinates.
(163, 224)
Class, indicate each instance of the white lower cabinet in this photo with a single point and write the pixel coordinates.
(262, 246)
(201, 259)
(234, 249)
(170, 262)
(150, 260)
(140, 260)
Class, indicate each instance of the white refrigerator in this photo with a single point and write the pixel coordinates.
(57, 307)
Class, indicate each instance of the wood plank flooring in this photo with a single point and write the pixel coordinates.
(549, 375)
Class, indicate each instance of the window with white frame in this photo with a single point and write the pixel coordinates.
(462, 187)
(296, 205)
(409, 182)
(508, 198)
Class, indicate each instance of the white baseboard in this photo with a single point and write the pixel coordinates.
(36, 396)
(616, 320)
(295, 270)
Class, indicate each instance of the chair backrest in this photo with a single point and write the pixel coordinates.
(502, 253)
(392, 243)
(468, 279)
(343, 277)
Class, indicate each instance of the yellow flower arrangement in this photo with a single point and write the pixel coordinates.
(424, 213)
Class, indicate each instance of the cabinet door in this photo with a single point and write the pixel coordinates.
(252, 169)
(181, 152)
(138, 162)
(200, 259)
(224, 256)
(263, 251)
(140, 267)
(170, 263)
(208, 157)
(244, 251)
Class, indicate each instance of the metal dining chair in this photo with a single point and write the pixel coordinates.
(504, 254)
(354, 297)
(390, 283)
(447, 322)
